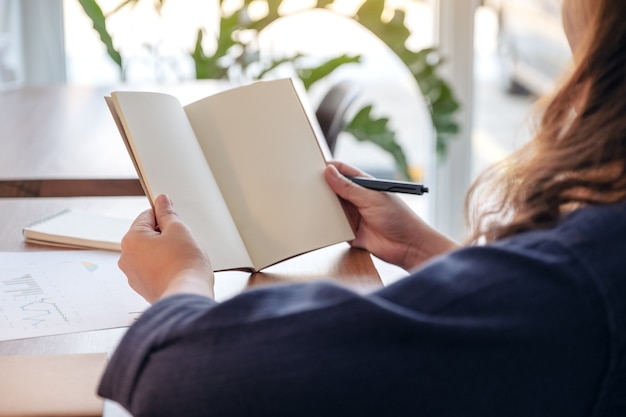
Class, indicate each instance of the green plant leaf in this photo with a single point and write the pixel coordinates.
(370, 13)
(393, 32)
(94, 12)
(423, 65)
(310, 75)
(273, 64)
(237, 54)
(121, 6)
(365, 128)
(215, 65)
(207, 67)
(321, 4)
(273, 14)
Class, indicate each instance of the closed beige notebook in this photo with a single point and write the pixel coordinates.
(51, 385)
(78, 229)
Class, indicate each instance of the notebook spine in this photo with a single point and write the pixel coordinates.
(44, 220)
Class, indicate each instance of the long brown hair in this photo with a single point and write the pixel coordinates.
(578, 155)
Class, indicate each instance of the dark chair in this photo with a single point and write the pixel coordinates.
(331, 112)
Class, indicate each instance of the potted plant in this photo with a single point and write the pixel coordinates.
(236, 53)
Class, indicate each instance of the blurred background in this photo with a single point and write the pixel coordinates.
(499, 57)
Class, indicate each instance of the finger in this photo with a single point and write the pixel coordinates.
(348, 170)
(144, 222)
(346, 189)
(164, 212)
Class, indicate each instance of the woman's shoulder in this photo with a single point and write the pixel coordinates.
(593, 238)
(572, 271)
(585, 250)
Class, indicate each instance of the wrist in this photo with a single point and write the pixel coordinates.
(190, 283)
(428, 247)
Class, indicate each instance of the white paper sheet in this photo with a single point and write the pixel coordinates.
(55, 292)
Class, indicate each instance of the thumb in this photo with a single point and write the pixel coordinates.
(164, 211)
(346, 189)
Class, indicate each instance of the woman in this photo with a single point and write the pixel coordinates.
(530, 322)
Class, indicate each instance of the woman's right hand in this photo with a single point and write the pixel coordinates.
(383, 223)
(160, 256)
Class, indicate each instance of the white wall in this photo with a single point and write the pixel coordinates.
(455, 39)
(31, 42)
(42, 41)
(11, 72)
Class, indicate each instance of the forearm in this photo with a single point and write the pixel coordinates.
(190, 356)
(152, 329)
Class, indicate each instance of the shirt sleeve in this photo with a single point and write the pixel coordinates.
(523, 334)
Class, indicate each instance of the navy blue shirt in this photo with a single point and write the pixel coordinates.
(533, 325)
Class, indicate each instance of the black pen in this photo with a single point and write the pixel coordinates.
(390, 185)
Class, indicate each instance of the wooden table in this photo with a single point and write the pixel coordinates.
(351, 267)
(62, 141)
